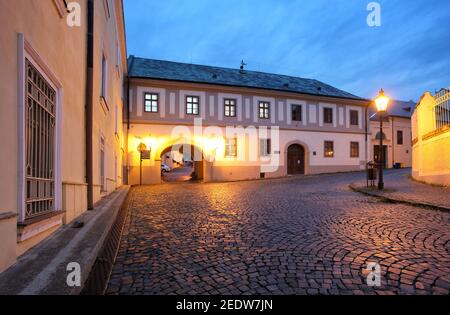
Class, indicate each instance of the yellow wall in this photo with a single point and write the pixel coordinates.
(62, 50)
(431, 154)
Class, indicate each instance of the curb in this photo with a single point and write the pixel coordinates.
(398, 200)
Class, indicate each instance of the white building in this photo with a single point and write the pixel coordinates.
(241, 124)
(397, 139)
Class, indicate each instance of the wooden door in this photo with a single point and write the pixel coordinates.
(296, 159)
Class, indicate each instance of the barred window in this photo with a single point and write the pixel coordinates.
(328, 149)
(40, 135)
(151, 101)
(264, 110)
(102, 165)
(230, 107)
(231, 147)
(192, 104)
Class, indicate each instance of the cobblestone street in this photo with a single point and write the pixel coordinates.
(299, 235)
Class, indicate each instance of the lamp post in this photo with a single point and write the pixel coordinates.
(381, 103)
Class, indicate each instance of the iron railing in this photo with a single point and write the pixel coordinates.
(442, 109)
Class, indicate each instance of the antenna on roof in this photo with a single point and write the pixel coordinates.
(243, 64)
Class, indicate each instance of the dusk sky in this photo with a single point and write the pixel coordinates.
(325, 40)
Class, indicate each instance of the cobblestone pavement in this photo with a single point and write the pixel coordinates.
(302, 235)
(400, 186)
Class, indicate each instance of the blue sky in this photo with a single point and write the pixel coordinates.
(328, 40)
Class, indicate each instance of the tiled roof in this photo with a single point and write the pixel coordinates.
(176, 71)
(397, 108)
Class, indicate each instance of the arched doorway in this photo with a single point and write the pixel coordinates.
(295, 159)
(182, 162)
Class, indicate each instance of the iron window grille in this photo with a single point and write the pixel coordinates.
(102, 165)
(264, 110)
(151, 102)
(40, 144)
(192, 105)
(230, 107)
(442, 108)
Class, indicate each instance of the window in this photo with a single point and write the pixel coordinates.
(328, 149)
(104, 77)
(151, 102)
(264, 147)
(399, 137)
(354, 149)
(102, 165)
(297, 112)
(354, 120)
(230, 107)
(328, 115)
(264, 110)
(192, 103)
(231, 147)
(40, 116)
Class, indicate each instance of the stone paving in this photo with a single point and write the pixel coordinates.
(399, 186)
(300, 235)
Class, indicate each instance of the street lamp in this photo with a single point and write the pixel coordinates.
(381, 103)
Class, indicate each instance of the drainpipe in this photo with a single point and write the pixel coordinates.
(393, 141)
(89, 105)
(366, 132)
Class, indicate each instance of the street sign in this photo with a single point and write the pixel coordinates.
(145, 155)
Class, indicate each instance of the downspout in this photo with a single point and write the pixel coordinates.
(393, 141)
(366, 133)
(89, 104)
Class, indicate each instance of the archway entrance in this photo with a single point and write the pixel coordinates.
(178, 163)
(295, 159)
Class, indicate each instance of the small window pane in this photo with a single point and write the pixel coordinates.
(151, 102)
(231, 147)
(192, 104)
(296, 112)
(354, 149)
(328, 149)
(354, 117)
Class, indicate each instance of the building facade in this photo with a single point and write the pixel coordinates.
(431, 138)
(397, 139)
(240, 124)
(63, 67)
